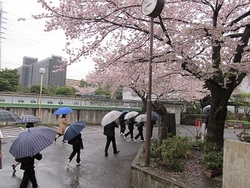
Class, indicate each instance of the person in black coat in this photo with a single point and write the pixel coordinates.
(110, 133)
(140, 131)
(131, 123)
(27, 164)
(77, 145)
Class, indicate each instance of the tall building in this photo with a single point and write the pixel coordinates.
(26, 71)
(29, 72)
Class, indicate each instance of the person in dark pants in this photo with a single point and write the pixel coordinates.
(122, 125)
(77, 145)
(140, 131)
(110, 133)
(131, 123)
(27, 164)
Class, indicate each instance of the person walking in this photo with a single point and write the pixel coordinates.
(28, 125)
(62, 126)
(131, 123)
(140, 131)
(27, 164)
(122, 125)
(77, 145)
(110, 133)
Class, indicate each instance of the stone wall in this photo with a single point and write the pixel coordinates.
(236, 164)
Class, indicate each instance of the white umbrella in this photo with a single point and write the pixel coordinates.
(206, 109)
(141, 118)
(131, 114)
(110, 116)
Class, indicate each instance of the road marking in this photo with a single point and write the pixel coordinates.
(10, 131)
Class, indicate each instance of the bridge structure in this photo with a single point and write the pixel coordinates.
(87, 109)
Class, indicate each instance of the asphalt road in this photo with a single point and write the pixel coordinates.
(96, 170)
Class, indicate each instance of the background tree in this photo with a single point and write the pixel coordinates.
(208, 39)
(36, 89)
(9, 80)
(65, 91)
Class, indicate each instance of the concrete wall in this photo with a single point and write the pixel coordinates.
(92, 117)
(236, 164)
(142, 177)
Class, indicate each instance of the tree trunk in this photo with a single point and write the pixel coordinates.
(166, 123)
(217, 116)
(171, 123)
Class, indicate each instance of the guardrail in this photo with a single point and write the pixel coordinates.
(31, 101)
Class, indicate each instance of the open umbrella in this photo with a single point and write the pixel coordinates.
(131, 114)
(110, 116)
(154, 116)
(29, 119)
(74, 129)
(31, 141)
(7, 116)
(124, 112)
(141, 118)
(206, 109)
(63, 110)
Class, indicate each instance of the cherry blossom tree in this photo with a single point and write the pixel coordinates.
(209, 39)
(167, 85)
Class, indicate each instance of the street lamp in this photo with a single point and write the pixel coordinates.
(151, 8)
(42, 72)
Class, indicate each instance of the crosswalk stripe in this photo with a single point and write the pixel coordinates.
(10, 132)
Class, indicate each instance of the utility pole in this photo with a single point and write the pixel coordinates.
(1, 31)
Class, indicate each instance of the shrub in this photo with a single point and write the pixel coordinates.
(173, 150)
(213, 157)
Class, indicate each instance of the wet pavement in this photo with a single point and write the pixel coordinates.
(96, 170)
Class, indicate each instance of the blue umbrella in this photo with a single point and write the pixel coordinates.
(31, 141)
(73, 130)
(154, 116)
(124, 112)
(63, 110)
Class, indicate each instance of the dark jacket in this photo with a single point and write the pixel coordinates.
(140, 126)
(131, 123)
(122, 121)
(110, 129)
(76, 142)
(27, 163)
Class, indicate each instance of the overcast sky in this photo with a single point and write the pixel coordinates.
(27, 38)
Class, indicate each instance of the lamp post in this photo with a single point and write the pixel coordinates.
(42, 72)
(151, 8)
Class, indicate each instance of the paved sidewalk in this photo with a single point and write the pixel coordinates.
(96, 170)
